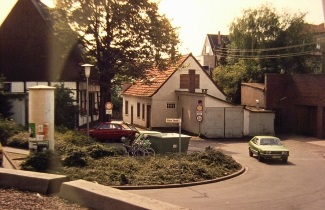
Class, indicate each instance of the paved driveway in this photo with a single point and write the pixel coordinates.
(299, 184)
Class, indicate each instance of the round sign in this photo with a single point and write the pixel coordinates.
(199, 118)
(199, 107)
(109, 106)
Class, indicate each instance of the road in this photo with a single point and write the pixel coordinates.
(297, 184)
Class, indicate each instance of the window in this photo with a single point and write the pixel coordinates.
(138, 110)
(171, 105)
(185, 81)
(143, 109)
(126, 111)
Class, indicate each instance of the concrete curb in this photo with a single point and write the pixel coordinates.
(32, 181)
(98, 196)
(241, 171)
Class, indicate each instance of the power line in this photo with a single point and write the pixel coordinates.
(284, 55)
(221, 49)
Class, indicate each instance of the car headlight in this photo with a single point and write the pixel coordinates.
(285, 153)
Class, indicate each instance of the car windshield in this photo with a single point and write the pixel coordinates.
(270, 141)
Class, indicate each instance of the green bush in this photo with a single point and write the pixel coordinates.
(99, 151)
(19, 140)
(77, 158)
(8, 128)
(42, 162)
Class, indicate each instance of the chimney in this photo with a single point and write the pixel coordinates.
(191, 80)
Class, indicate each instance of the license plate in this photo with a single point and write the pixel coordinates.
(276, 157)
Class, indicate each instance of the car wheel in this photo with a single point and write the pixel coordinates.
(259, 157)
(122, 139)
(250, 152)
(284, 160)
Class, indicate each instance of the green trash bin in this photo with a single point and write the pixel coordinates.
(169, 143)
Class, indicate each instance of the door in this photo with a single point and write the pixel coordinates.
(215, 122)
(234, 122)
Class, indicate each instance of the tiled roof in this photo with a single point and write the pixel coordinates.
(155, 78)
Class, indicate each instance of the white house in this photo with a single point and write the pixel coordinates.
(183, 91)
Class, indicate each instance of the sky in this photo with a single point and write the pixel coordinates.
(197, 18)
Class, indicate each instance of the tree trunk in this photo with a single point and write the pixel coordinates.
(105, 96)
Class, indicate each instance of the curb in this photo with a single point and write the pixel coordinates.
(144, 187)
(10, 161)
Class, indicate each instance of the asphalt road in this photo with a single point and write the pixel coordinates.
(298, 184)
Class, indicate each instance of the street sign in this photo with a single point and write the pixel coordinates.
(109, 106)
(173, 120)
(199, 118)
(109, 111)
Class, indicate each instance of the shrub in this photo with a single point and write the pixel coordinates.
(19, 140)
(7, 129)
(98, 151)
(41, 162)
(77, 158)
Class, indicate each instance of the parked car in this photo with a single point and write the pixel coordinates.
(107, 131)
(1, 155)
(268, 147)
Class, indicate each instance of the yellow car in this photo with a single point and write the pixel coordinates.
(268, 147)
(1, 155)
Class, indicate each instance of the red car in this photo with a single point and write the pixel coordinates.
(106, 131)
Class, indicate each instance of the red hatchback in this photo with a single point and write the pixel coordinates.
(106, 131)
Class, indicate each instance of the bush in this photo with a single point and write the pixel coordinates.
(19, 140)
(99, 151)
(77, 158)
(41, 162)
(7, 129)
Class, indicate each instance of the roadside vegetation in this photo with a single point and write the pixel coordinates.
(80, 158)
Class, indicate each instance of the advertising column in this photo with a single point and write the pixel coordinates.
(41, 118)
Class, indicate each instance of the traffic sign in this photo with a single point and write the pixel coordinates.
(199, 118)
(173, 120)
(109, 106)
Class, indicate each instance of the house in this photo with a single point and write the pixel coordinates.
(31, 54)
(298, 102)
(212, 50)
(184, 91)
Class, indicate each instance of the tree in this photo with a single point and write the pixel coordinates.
(66, 112)
(262, 41)
(123, 38)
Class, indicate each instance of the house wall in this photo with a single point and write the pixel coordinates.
(132, 117)
(249, 95)
(258, 123)
(205, 80)
(300, 99)
(20, 106)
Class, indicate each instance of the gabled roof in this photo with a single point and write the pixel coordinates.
(213, 40)
(155, 79)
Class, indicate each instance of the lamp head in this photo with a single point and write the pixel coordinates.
(87, 69)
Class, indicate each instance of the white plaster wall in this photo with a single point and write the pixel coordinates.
(133, 102)
(17, 87)
(205, 81)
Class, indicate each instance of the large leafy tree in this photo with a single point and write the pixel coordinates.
(123, 38)
(263, 41)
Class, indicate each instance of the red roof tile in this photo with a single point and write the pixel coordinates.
(155, 78)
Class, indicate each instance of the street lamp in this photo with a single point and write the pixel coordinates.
(87, 74)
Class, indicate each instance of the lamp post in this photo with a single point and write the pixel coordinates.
(87, 74)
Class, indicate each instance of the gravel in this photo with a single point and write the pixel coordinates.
(11, 199)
